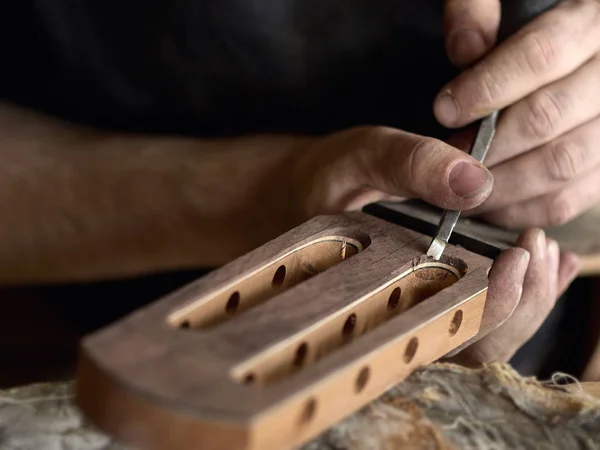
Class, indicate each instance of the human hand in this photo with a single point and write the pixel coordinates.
(524, 284)
(347, 170)
(544, 157)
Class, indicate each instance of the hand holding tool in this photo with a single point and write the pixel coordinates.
(514, 15)
(479, 149)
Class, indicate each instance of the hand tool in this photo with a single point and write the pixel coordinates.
(515, 14)
(479, 149)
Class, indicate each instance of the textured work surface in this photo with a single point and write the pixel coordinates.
(440, 407)
(447, 407)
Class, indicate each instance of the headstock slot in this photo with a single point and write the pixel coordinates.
(282, 274)
(424, 279)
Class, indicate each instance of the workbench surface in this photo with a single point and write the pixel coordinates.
(438, 407)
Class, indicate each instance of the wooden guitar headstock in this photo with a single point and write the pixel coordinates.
(280, 344)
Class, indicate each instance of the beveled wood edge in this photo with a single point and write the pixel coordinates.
(110, 405)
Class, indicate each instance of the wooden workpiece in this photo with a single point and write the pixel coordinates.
(282, 343)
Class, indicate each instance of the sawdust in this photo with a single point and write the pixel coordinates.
(441, 407)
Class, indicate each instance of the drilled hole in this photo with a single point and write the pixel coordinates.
(185, 324)
(249, 379)
(394, 298)
(260, 286)
(233, 303)
(456, 322)
(279, 276)
(301, 353)
(290, 358)
(362, 379)
(309, 410)
(411, 350)
(349, 325)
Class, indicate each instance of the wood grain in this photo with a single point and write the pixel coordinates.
(254, 356)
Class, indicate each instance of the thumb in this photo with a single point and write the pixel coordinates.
(372, 163)
(470, 29)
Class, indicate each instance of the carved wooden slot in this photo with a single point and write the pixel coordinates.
(400, 294)
(326, 318)
(256, 287)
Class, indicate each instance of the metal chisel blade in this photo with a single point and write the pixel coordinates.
(479, 149)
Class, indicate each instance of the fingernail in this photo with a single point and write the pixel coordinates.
(523, 261)
(541, 244)
(446, 109)
(553, 253)
(465, 46)
(525, 257)
(467, 179)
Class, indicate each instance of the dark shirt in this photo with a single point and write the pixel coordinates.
(226, 67)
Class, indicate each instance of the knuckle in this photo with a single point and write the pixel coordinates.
(540, 51)
(430, 149)
(502, 218)
(403, 160)
(367, 145)
(365, 138)
(421, 155)
(544, 113)
(425, 165)
(565, 161)
(507, 219)
(560, 210)
(488, 89)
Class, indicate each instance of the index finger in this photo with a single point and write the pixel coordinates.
(547, 49)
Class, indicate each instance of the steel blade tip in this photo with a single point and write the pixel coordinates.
(436, 248)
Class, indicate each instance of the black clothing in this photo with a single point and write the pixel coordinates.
(226, 66)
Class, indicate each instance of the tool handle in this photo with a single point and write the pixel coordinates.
(517, 13)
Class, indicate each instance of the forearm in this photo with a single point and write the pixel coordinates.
(80, 204)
